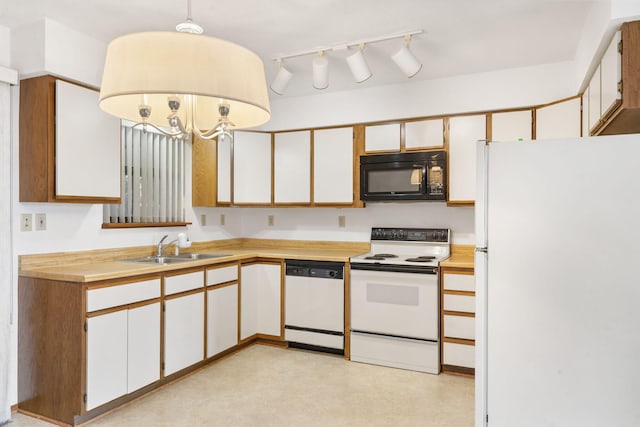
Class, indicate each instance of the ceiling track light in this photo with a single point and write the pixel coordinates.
(279, 84)
(358, 65)
(406, 60)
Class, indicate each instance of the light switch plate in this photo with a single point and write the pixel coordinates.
(342, 222)
(270, 220)
(41, 222)
(25, 222)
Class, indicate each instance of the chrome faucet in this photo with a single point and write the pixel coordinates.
(159, 249)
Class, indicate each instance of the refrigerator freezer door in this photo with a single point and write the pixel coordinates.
(480, 271)
(563, 294)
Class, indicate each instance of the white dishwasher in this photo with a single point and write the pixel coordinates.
(314, 305)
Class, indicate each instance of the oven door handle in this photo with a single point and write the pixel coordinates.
(393, 268)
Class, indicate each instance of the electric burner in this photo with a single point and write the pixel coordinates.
(421, 259)
(386, 255)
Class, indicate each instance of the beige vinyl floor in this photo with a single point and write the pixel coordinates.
(267, 386)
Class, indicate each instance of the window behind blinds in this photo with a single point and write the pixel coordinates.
(152, 179)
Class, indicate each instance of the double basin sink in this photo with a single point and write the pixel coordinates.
(174, 259)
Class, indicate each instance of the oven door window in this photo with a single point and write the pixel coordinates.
(398, 180)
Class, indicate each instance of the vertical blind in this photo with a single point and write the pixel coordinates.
(152, 179)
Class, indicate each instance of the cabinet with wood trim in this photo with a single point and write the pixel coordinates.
(333, 166)
(292, 167)
(222, 308)
(464, 132)
(424, 134)
(511, 126)
(252, 168)
(458, 320)
(615, 87)
(69, 148)
(85, 347)
(559, 119)
(184, 318)
(383, 137)
(261, 300)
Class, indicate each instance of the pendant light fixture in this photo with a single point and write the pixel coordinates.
(185, 81)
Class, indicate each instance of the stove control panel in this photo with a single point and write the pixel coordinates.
(439, 235)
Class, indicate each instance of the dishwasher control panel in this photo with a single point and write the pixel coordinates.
(315, 269)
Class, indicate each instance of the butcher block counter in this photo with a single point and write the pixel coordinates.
(461, 257)
(97, 265)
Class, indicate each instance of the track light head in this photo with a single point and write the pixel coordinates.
(406, 60)
(280, 82)
(358, 65)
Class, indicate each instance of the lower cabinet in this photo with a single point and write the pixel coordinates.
(123, 353)
(458, 320)
(183, 320)
(222, 309)
(261, 300)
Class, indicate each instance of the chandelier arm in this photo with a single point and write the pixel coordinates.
(144, 125)
(212, 133)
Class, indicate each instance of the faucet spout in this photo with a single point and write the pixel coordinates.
(159, 248)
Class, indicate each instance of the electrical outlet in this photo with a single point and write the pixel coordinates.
(270, 220)
(342, 221)
(203, 220)
(221, 219)
(25, 222)
(41, 222)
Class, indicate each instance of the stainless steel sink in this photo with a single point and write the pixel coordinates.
(194, 256)
(173, 259)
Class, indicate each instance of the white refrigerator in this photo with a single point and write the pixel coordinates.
(558, 283)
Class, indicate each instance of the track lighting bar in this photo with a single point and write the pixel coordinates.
(343, 46)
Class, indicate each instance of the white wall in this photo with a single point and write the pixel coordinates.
(5, 46)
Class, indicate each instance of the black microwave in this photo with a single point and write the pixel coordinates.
(404, 176)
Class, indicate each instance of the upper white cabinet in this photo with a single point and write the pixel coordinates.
(559, 120)
(333, 165)
(614, 91)
(424, 134)
(69, 148)
(251, 168)
(292, 167)
(464, 131)
(511, 126)
(382, 137)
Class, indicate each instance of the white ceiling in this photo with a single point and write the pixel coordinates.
(460, 36)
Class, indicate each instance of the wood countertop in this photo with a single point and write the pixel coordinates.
(462, 256)
(93, 266)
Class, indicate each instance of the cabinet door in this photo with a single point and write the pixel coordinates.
(222, 319)
(333, 165)
(106, 358)
(260, 300)
(252, 168)
(559, 120)
(424, 134)
(224, 170)
(143, 346)
(463, 133)
(183, 332)
(610, 76)
(511, 126)
(382, 137)
(292, 167)
(594, 99)
(87, 145)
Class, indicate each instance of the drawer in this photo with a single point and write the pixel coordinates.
(113, 296)
(183, 282)
(459, 355)
(459, 327)
(222, 275)
(459, 282)
(464, 303)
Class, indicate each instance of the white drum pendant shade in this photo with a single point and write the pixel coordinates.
(147, 68)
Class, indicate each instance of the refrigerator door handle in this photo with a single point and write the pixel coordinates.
(482, 250)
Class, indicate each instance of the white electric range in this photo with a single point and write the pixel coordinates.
(395, 298)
